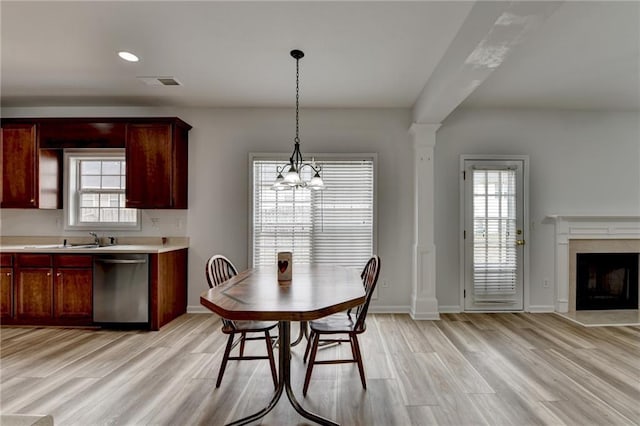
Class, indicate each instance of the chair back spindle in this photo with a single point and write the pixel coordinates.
(369, 277)
(219, 269)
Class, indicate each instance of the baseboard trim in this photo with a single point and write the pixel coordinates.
(452, 309)
(389, 309)
(541, 308)
(198, 309)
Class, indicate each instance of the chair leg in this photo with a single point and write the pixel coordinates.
(306, 350)
(225, 358)
(272, 362)
(358, 356)
(312, 360)
(242, 339)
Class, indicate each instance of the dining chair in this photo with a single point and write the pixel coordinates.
(218, 270)
(349, 323)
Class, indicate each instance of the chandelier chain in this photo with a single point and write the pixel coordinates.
(297, 139)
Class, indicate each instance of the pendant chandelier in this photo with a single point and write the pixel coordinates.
(289, 175)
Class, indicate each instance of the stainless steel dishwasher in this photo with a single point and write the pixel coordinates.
(121, 289)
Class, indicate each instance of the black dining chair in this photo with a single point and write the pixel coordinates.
(349, 323)
(218, 270)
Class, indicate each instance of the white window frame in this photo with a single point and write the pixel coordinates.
(318, 157)
(71, 194)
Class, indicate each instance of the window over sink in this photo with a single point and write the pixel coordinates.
(95, 182)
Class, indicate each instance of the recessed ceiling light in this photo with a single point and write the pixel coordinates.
(128, 56)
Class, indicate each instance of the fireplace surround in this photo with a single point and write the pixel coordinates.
(588, 234)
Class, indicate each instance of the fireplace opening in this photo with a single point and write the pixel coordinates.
(607, 281)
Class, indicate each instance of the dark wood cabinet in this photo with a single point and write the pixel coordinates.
(73, 288)
(6, 285)
(19, 165)
(168, 287)
(34, 288)
(157, 158)
(53, 289)
(156, 154)
(31, 177)
(57, 289)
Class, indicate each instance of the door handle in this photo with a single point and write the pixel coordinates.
(520, 242)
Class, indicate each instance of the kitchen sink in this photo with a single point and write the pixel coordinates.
(62, 246)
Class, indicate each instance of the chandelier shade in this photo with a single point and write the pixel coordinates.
(289, 176)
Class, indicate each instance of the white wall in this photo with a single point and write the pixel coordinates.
(219, 144)
(581, 163)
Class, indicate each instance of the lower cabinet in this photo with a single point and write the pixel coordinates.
(34, 288)
(73, 288)
(53, 290)
(6, 285)
(57, 289)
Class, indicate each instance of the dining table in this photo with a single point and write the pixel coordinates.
(313, 292)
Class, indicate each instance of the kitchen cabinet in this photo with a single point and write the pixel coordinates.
(155, 148)
(6, 285)
(34, 288)
(31, 177)
(168, 286)
(50, 288)
(53, 289)
(19, 167)
(73, 288)
(157, 157)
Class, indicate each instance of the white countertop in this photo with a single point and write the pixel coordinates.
(53, 245)
(118, 248)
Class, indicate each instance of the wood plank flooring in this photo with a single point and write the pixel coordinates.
(466, 369)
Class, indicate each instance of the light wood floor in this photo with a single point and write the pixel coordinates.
(467, 369)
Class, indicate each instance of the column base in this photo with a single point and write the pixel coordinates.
(424, 308)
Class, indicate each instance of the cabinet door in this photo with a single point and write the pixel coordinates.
(149, 152)
(6, 292)
(34, 291)
(73, 294)
(19, 184)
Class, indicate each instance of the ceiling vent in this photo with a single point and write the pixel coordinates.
(159, 81)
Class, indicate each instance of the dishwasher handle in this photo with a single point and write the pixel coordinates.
(121, 261)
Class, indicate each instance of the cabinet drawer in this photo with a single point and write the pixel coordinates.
(73, 261)
(6, 259)
(43, 260)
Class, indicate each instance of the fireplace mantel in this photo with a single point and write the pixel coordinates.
(585, 227)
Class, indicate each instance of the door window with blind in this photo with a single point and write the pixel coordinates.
(332, 226)
(493, 234)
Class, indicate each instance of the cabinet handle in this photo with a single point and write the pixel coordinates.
(59, 274)
(48, 274)
(8, 274)
(33, 200)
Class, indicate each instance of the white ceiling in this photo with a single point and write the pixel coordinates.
(358, 54)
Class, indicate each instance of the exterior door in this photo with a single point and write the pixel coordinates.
(493, 233)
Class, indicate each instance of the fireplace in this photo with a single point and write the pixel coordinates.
(606, 281)
(576, 234)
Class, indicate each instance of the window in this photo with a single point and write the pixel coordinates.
(96, 191)
(334, 226)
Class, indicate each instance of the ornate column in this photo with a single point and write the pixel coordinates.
(424, 304)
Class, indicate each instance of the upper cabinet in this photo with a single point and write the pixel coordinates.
(157, 158)
(30, 176)
(19, 167)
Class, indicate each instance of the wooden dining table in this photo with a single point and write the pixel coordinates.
(314, 291)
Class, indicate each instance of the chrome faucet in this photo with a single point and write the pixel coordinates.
(96, 240)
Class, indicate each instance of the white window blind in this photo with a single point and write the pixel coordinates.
(332, 226)
(494, 232)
